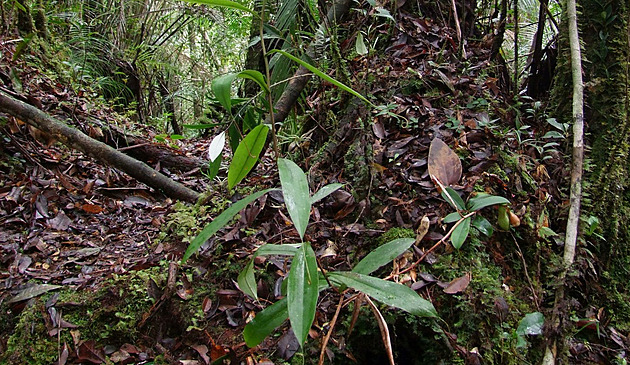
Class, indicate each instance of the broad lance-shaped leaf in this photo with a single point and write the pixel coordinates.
(246, 154)
(325, 191)
(296, 193)
(219, 222)
(247, 281)
(460, 233)
(265, 322)
(255, 76)
(288, 249)
(322, 75)
(387, 292)
(222, 89)
(483, 200)
(449, 194)
(383, 255)
(302, 292)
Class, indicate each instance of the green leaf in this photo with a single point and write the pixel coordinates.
(460, 233)
(255, 76)
(296, 193)
(213, 167)
(247, 281)
(387, 292)
(325, 191)
(360, 45)
(219, 222)
(483, 225)
(531, 324)
(482, 200)
(246, 154)
(451, 218)
(322, 75)
(224, 4)
(302, 292)
(383, 255)
(384, 13)
(222, 89)
(459, 202)
(288, 249)
(265, 322)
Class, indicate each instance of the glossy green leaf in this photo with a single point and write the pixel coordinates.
(460, 233)
(296, 193)
(531, 324)
(265, 322)
(246, 154)
(224, 4)
(325, 191)
(387, 292)
(483, 225)
(302, 292)
(383, 255)
(255, 76)
(219, 222)
(288, 249)
(451, 218)
(482, 200)
(213, 167)
(360, 45)
(322, 75)
(222, 89)
(459, 202)
(247, 281)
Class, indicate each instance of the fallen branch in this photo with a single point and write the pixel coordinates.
(74, 138)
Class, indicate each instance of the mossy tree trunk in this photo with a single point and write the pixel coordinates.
(604, 31)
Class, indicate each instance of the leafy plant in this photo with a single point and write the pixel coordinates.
(304, 281)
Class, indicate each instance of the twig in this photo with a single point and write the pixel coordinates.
(387, 341)
(330, 330)
(441, 241)
(529, 280)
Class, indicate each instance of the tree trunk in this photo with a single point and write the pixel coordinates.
(98, 150)
(605, 39)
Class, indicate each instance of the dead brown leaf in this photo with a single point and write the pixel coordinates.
(444, 164)
(458, 285)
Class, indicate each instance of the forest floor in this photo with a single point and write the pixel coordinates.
(87, 254)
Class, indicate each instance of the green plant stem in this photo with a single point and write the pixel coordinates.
(274, 137)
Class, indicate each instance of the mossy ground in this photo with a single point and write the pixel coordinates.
(110, 316)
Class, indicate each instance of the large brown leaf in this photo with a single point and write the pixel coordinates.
(443, 163)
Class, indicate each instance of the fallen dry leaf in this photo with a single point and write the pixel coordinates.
(444, 164)
(458, 285)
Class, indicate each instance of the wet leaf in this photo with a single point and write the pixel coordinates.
(302, 292)
(444, 164)
(216, 146)
(482, 200)
(531, 324)
(383, 255)
(460, 233)
(246, 154)
(219, 222)
(222, 89)
(483, 225)
(325, 191)
(387, 292)
(247, 281)
(296, 194)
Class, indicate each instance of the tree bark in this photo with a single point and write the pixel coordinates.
(98, 150)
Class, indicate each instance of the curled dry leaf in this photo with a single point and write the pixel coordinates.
(444, 164)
